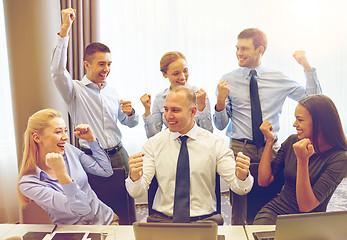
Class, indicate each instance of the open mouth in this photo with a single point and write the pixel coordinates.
(61, 146)
(181, 82)
(172, 123)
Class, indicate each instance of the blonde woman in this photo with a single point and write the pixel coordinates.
(53, 172)
(173, 66)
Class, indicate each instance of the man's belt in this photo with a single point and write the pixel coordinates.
(192, 219)
(247, 141)
(109, 151)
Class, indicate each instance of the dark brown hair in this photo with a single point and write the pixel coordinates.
(93, 48)
(325, 121)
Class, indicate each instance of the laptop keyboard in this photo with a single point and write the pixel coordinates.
(266, 235)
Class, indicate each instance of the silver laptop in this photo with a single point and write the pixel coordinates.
(312, 226)
(308, 226)
(174, 231)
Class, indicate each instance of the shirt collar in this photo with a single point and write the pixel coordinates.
(87, 82)
(245, 70)
(193, 133)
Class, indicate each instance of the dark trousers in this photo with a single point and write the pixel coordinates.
(119, 159)
(245, 208)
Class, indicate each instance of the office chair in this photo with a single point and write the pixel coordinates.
(259, 196)
(154, 186)
(111, 191)
(34, 214)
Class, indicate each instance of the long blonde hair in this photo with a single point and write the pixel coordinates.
(36, 124)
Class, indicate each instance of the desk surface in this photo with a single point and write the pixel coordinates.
(5, 228)
(121, 232)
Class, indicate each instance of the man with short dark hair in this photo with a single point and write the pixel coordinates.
(247, 107)
(205, 154)
(91, 100)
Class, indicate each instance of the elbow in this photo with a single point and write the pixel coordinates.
(305, 209)
(262, 182)
(218, 126)
(82, 211)
(109, 173)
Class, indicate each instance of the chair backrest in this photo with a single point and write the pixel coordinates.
(259, 196)
(34, 214)
(111, 191)
(154, 186)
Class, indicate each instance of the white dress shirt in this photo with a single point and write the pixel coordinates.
(208, 154)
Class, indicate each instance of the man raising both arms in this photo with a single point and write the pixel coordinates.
(270, 91)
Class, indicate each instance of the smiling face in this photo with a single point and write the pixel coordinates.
(177, 112)
(303, 122)
(98, 67)
(177, 73)
(53, 138)
(246, 55)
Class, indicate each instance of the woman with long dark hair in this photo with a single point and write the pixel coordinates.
(314, 161)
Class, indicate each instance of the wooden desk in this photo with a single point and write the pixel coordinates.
(232, 232)
(5, 228)
(121, 232)
(258, 228)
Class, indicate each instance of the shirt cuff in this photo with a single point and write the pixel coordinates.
(221, 113)
(94, 145)
(246, 185)
(147, 119)
(62, 42)
(134, 188)
(311, 75)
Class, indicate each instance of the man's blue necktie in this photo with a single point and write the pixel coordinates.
(181, 210)
(257, 119)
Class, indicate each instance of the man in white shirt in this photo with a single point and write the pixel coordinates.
(208, 154)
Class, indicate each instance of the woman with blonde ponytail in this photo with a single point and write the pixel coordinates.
(53, 173)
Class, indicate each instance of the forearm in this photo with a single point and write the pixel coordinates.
(265, 177)
(220, 105)
(59, 73)
(99, 164)
(135, 189)
(147, 111)
(63, 177)
(130, 121)
(204, 119)
(305, 197)
(220, 119)
(312, 83)
(151, 126)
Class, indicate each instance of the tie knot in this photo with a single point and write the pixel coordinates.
(183, 138)
(253, 73)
